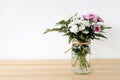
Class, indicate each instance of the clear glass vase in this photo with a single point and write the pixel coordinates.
(81, 59)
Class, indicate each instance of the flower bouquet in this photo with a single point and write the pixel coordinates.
(80, 31)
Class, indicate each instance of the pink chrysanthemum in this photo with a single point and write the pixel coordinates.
(99, 19)
(97, 28)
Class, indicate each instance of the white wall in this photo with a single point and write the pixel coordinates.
(22, 23)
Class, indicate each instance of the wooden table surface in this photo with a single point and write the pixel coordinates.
(57, 70)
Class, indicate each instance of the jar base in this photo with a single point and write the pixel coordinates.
(81, 72)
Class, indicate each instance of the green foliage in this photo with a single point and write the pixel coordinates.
(100, 35)
(103, 27)
(54, 29)
(70, 39)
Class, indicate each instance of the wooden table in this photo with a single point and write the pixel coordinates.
(57, 70)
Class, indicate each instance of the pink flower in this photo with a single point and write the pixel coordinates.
(85, 17)
(91, 17)
(99, 19)
(94, 18)
(97, 28)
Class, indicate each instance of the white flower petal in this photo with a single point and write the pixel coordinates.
(81, 27)
(85, 32)
(86, 23)
(78, 21)
(74, 29)
(71, 24)
(78, 17)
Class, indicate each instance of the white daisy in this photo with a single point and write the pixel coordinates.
(86, 23)
(81, 27)
(74, 29)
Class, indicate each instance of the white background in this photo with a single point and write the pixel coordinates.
(22, 23)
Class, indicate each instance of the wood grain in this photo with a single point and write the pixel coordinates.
(107, 69)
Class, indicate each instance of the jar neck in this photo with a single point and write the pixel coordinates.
(77, 42)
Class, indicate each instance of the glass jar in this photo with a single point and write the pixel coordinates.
(81, 58)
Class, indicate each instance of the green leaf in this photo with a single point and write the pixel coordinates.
(54, 29)
(100, 35)
(81, 37)
(70, 39)
(97, 38)
(61, 22)
(48, 30)
(102, 27)
(107, 27)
